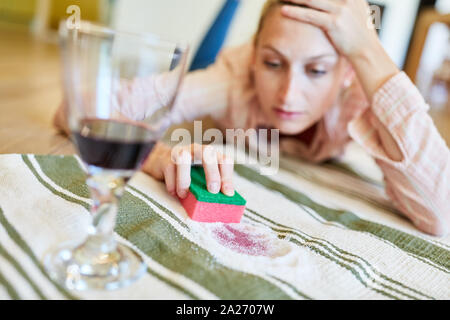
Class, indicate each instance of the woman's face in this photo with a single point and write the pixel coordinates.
(297, 72)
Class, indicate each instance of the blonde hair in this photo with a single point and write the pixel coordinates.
(268, 6)
(264, 13)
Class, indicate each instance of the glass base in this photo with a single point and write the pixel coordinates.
(77, 267)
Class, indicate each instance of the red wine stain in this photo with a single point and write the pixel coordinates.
(241, 241)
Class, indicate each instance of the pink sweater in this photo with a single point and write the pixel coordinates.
(419, 185)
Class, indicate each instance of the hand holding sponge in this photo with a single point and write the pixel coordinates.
(203, 206)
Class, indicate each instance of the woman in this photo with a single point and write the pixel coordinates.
(318, 72)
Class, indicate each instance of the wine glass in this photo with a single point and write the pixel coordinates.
(119, 89)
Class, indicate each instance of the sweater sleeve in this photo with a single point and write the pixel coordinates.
(419, 184)
(208, 91)
(202, 92)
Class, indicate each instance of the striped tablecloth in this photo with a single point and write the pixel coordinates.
(308, 232)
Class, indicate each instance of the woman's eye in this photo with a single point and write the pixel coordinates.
(317, 72)
(272, 64)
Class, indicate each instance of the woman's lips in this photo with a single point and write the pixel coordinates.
(288, 115)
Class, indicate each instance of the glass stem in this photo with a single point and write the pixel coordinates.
(107, 187)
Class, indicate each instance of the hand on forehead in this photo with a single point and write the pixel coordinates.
(293, 39)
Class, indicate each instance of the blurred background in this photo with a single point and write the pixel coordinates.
(415, 33)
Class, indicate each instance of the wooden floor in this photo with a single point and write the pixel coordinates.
(30, 91)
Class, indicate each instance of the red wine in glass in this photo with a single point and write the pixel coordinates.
(112, 144)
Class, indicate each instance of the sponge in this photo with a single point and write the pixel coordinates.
(203, 206)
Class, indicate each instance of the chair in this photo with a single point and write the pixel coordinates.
(215, 37)
(424, 22)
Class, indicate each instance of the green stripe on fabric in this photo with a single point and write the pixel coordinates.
(66, 173)
(159, 206)
(402, 240)
(5, 254)
(79, 176)
(313, 215)
(293, 288)
(346, 168)
(158, 239)
(328, 254)
(53, 190)
(176, 218)
(353, 194)
(328, 245)
(9, 288)
(14, 235)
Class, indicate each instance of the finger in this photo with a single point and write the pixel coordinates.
(331, 6)
(226, 166)
(183, 172)
(320, 19)
(155, 163)
(211, 167)
(197, 153)
(169, 178)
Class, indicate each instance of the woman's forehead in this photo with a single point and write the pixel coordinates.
(293, 38)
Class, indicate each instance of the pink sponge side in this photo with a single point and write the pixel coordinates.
(211, 212)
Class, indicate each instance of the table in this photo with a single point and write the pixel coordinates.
(30, 91)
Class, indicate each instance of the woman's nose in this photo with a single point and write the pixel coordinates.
(290, 90)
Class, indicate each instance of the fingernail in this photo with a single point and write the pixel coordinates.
(214, 187)
(228, 190)
(182, 194)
